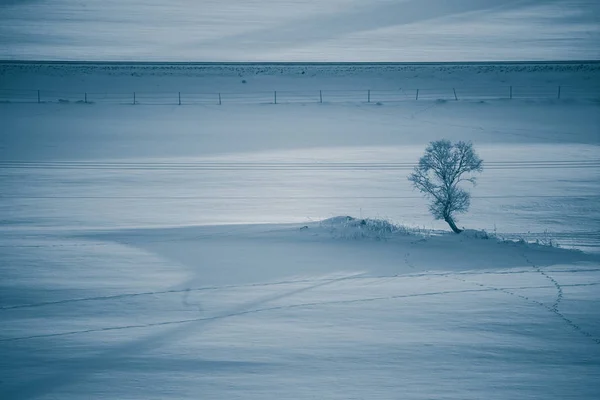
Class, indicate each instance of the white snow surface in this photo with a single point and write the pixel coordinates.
(292, 312)
(300, 30)
(202, 251)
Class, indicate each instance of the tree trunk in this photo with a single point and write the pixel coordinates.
(450, 222)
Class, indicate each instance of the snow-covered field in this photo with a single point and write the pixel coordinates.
(300, 30)
(165, 251)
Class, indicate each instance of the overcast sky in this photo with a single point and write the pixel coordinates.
(295, 30)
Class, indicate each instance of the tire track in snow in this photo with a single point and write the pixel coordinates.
(175, 291)
(292, 306)
(108, 359)
(284, 282)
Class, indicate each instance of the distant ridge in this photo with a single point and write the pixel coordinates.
(303, 63)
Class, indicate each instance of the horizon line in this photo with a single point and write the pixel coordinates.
(297, 63)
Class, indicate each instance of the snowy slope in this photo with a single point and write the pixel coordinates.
(297, 312)
(146, 251)
(294, 30)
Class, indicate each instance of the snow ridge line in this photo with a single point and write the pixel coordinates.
(196, 64)
(385, 278)
(274, 308)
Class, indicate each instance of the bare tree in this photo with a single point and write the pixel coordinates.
(439, 173)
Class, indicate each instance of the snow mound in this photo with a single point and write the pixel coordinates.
(346, 227)
(532, 242)
(476, 234)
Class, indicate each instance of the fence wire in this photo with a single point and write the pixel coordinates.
(303, 96)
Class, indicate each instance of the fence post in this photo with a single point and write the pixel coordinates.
(320, 96)
(179, 98)
(455, 96)
(219, 98)
(559, 92)
(511, 92)
(275, 96)
(369, 96)
(134, 98)
(85, 98)
(39, 101)
(417, 98)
